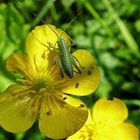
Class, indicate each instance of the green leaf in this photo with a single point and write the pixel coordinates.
(13, 31)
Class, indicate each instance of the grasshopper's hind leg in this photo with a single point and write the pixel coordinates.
(74, 60)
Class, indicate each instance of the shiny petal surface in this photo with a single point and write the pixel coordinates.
(62, 119)
(18, 108)
(38, 41)
(126, 131)
(86, 82)
(17, 63)
(85, 132)
(111, 112)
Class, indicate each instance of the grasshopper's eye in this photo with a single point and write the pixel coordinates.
(74, 46)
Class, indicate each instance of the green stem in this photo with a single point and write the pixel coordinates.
(41, 14)
(54, 13)
(124, 30)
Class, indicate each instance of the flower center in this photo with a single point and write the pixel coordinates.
(103, 130)
(47, 84)
(86, 133)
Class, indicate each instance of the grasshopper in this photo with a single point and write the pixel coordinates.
(66, 62)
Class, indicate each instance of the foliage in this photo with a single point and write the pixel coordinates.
(108, 28)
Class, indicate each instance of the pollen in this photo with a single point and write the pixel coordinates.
(44, 85)
(86, 133)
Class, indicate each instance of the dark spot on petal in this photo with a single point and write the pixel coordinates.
(48, 113)
(64, 98)
(82, 105)
(77, 85)
(89, 72)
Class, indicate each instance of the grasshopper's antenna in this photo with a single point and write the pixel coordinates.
(72, 20)
(70, 24)
(32, 12)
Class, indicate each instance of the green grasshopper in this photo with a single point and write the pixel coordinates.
(67, 62)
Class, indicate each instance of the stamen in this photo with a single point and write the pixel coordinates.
(31, 72)
(35, 62)
(20, 95)
(51, 70)
(62, 83)
(32, 104)
(57, 100)
(42, 90)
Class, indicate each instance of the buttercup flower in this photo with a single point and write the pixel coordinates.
(42, 93)
(107, 123)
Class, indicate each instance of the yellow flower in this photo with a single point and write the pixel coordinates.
(42, 94)
(107, 123)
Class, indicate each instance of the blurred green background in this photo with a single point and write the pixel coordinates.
(109, 29)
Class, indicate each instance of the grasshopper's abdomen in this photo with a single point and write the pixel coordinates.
(65, 57)
(67, 65)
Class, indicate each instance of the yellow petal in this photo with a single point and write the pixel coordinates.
(38, 40)
(111, 112)
(18, 108)
(63, 118)
(86, 132)
(86, 82)
(126, 131)
(17, 63)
